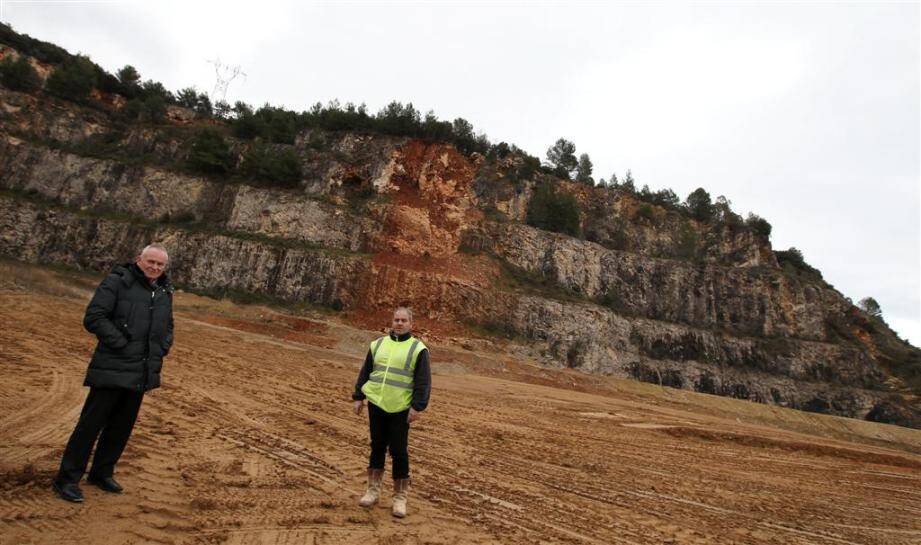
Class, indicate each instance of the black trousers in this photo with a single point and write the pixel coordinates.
(389, 431)
(108, 415)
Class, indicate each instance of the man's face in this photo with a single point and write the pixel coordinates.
(153, 262)
(401, 322)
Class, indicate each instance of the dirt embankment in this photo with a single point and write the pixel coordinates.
(251, 441)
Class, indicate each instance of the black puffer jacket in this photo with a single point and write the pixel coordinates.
(134, 324)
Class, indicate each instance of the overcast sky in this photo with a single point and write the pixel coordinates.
(806, 114)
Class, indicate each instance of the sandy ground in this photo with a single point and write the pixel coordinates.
(251, 441)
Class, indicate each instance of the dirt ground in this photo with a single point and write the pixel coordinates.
(251, 441)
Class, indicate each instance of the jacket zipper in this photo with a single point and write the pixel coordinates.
(147, 339)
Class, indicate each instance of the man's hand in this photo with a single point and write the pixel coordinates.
(413, 416)
(359, 403)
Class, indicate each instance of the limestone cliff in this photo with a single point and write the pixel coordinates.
(378, 221)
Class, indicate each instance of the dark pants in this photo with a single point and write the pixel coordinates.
(389, 430)
(109, 415)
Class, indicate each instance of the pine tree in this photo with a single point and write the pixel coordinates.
(584, 170)
(628, 184)
(699, 204)
(562, 158)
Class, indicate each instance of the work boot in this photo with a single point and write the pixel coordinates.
(373, 493)
(400, 489)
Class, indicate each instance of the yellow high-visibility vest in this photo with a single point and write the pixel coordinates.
(390, 385)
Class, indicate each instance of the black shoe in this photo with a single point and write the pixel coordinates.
(67, 491)
(106, 483)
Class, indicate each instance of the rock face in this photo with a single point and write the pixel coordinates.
(379, 221)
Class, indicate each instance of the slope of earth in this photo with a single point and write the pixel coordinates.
(251, 441)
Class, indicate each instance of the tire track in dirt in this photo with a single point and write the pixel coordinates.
(251, 441)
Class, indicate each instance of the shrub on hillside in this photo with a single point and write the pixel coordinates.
(73, 79)
(270, 166)
(19, 75)
(758, 225)
(210, 153)
(792, 260)
(645, 211)
(26, 45)
(268, 123)
(151, 109)
(106, 82)
(554, 210)
(665, 198)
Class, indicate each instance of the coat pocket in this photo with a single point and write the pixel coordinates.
(127, 322)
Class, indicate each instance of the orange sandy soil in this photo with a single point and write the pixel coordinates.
(251, 441)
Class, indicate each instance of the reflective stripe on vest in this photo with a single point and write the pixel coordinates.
(394, 370)
(391, 382)
(390, 385)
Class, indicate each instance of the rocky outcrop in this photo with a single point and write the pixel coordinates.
(750, 300)
(209, 262)
(380, 221)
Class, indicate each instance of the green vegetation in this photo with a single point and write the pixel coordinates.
(19, 75)
(554, 210)
(26, 45)
(628, 184)
(525, 169)
(758, 225)
(561, 158)
(210, 153)
(665, 198)
(268, 123)
(130, 80)
(645, 211)
(699, 205)
(271, 166)
(793, 263)
(151, 109)
(584, 170)
(396, 119)
(73, 79)
(193, 100)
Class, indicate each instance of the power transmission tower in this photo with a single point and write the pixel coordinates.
(224, 75)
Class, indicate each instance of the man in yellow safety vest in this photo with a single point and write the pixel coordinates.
(396, 380)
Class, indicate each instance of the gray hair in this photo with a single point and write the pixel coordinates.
(160, 247)
(407, 310)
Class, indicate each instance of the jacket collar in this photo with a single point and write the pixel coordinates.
(400, 338)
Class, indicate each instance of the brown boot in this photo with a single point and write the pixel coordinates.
(373, 493)
(400, 490)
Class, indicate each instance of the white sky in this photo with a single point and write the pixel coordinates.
(806, 114)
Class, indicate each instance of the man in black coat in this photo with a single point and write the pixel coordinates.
(131, 313)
